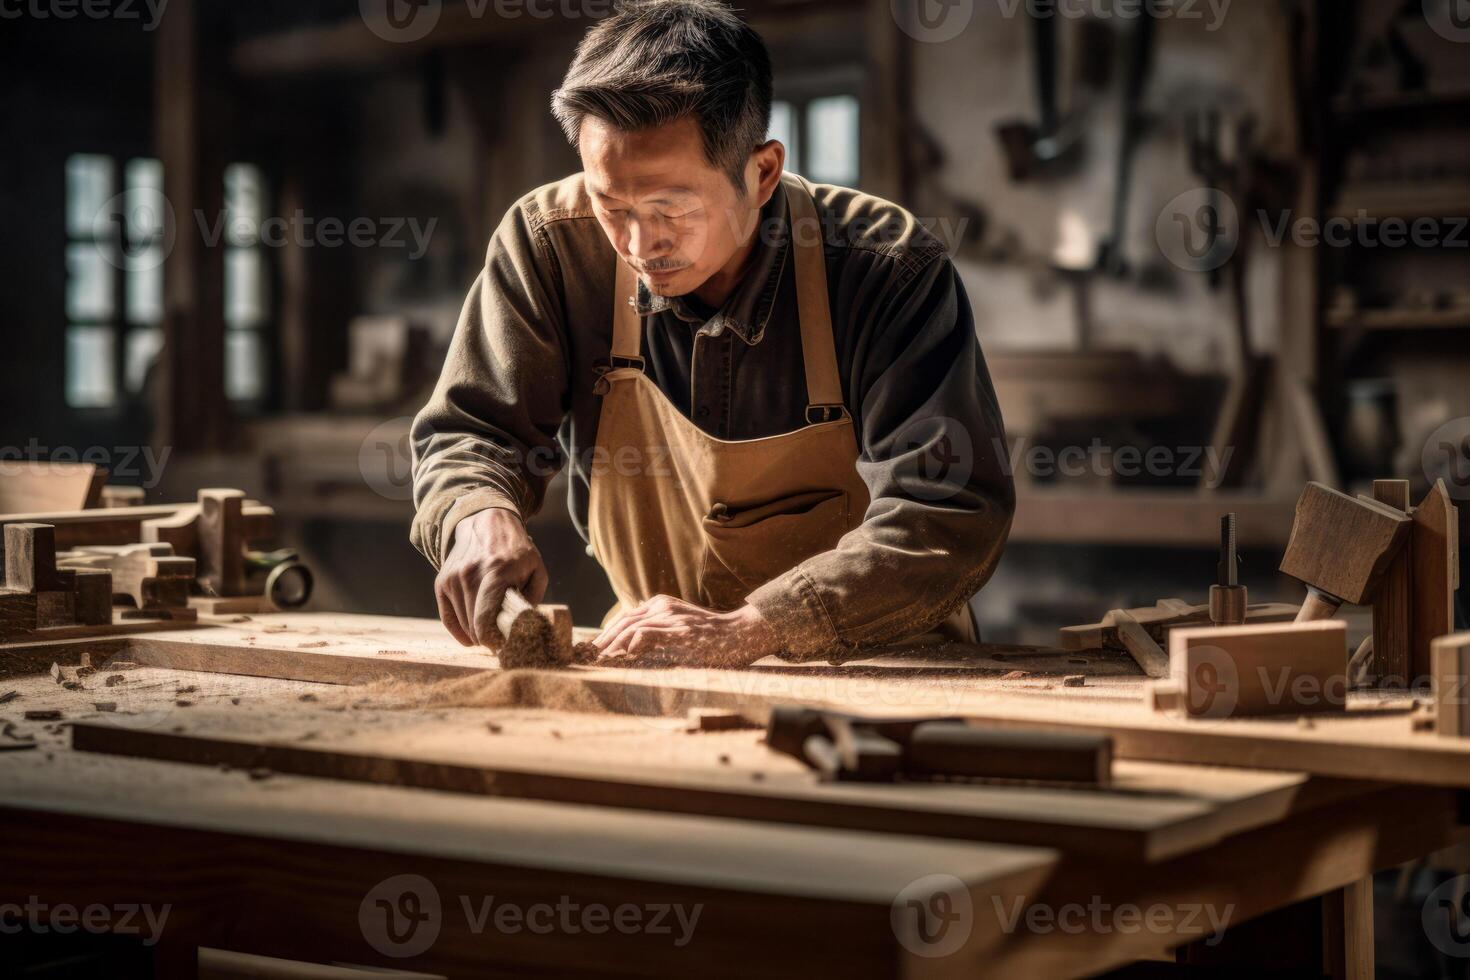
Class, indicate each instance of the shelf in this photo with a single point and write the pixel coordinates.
(1180, 519)
(1392, 104)
(1407, 201)
(1398, 319)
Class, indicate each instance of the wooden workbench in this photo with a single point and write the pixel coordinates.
(253, 776)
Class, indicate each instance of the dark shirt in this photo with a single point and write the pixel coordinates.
(516, 399)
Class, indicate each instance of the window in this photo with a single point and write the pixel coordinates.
(114, 277)
(818, 121)
(246, 298)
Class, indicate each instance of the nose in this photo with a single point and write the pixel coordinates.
(648, 239)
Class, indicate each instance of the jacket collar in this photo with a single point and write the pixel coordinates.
(748, 310)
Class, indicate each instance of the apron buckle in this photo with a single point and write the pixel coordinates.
(816, 414)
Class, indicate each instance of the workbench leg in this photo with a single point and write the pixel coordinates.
(1347, 931)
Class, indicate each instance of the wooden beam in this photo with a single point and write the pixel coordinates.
(1435, 566)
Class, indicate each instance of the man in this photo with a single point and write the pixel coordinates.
(781, 432)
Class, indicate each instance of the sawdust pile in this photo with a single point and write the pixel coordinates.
(491, 689)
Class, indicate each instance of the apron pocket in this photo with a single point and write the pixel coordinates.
(747, 547)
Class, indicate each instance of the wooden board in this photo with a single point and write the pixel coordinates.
(32, 485)
(1158, 619)
(1451, 662)
(233, 858)
(1150, 812)
(1391, 620)
(1342, 545)
(1256, 670)
(1435, 558)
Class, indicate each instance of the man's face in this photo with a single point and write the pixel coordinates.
(672, 215)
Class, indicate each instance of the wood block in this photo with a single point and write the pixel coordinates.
(31, 485)
(17, 613)
(1433, 564)
(94, 597)
(55, 609)
(30, 558)
(1254, 670)
(222, 542)
(1451, 660)
(1150, 656)
(1391, 626)
(1341, 545)
(560, 618)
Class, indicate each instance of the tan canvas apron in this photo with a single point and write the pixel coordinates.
(676, 511)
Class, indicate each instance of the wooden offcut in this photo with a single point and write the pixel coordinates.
(1391, 620)
(1150, 656)
(1253, 671)
(1434, 569)
(1158, 619)
(1342, 546)
(32, 485)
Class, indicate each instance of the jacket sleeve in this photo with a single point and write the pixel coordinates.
(487, 437)
(934, 460)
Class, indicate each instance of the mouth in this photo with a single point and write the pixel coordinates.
(662, 274)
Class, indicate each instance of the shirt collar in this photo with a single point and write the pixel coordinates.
(747, 311)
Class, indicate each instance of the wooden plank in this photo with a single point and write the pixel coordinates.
(1159, 618)
(1149, 813)
(28, 485)
(124, 525)
(1435, 558)
(1391, 621)
(233, 858)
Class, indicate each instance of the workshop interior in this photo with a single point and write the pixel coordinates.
(288, 282)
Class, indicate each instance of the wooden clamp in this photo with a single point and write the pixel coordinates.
(1341, 548)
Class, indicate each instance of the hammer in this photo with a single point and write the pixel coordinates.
(851, 748)
(533, 636)
(1340, 548)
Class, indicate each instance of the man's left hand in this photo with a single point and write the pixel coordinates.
(671, 630)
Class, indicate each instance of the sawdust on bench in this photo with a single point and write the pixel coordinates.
(491, 689)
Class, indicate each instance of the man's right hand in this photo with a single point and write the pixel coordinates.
(491, 553)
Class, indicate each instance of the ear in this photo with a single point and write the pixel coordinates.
(763, 173)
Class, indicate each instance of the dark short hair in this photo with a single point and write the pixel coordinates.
(655, 61)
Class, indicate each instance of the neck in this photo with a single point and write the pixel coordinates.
(721, 286)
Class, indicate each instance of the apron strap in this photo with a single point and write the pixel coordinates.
(818, 347)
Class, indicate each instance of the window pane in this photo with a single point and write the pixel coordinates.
(145, 285)
(143, 202)
(90, 367)
(244, 365)
(244, 287)
(832, 139)
(244, 203)
(783, 128)
(89, 186)
(89, 282)
(143, 349)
